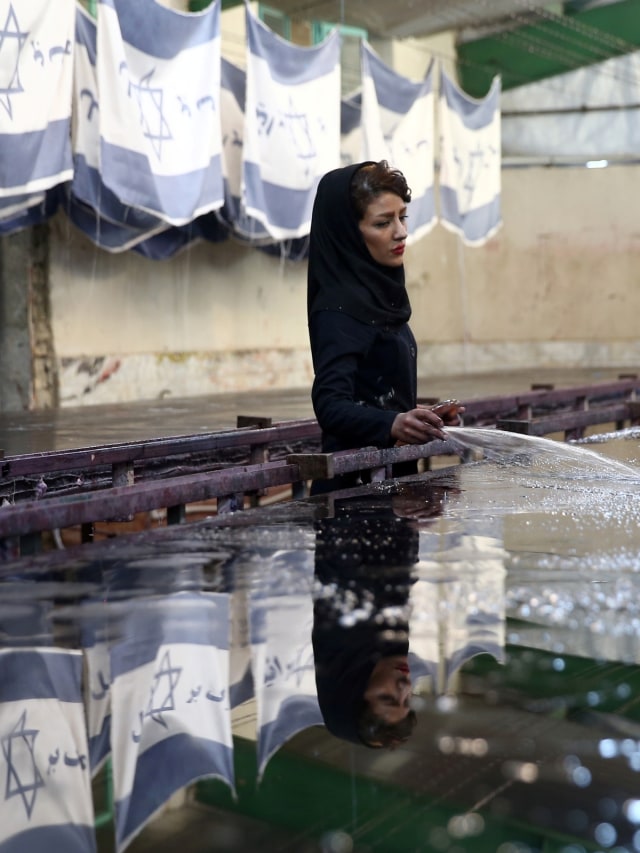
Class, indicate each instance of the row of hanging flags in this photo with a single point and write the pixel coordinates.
(149, 139)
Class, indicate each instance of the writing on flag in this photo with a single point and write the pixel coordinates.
(36, 68)
(170, 714)
(159, 82)
(292, 130)
(47, 803)
(90, 204)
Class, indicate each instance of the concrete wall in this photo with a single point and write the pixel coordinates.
(558, 286)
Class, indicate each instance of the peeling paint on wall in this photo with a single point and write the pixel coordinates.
(110, 379)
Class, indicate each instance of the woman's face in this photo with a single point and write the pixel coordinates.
(389, 689)
(384, 230)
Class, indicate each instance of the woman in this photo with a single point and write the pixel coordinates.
(364, 353)
(364, 558)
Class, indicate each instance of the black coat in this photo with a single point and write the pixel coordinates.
(364, 375)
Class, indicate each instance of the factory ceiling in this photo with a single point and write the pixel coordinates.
(522, 40)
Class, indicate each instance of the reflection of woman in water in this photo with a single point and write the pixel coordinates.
(364, 559)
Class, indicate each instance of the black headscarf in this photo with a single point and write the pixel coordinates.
(342, 274)
(367, 554)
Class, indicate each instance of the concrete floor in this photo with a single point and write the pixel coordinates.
(67, 428)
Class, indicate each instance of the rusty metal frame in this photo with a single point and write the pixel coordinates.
(130, 490)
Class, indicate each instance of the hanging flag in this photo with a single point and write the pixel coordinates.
(12, 206)
(470, 160)
(158, 74)
(170, 715)
(350, 129)
(36, 67)
(90, 204)
(398, 126)
(292, 131)
(47, 802)
(98, 702)
(280, 626)
(21, 212)
(232, 107)
(457, 603)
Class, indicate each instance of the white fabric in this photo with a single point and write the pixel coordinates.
(583, 132)
(44, 763)
(171, 720)
(36, 67)
(281, 624)
(292, 133)
(232, 108)
(470, 162)
(398, 126)
(457, 605)
(92, 206)
(159, 92)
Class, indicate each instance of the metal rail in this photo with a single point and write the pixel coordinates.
(237, 465)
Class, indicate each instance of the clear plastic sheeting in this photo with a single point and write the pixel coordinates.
(592, 113)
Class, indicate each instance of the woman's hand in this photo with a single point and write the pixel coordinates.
(417, 426)
(449, 411)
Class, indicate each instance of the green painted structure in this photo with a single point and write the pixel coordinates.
(550, 45)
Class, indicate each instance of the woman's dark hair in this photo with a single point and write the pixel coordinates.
(374, 731)
(372, 180)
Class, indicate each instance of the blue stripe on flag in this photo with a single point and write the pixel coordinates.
(88, 188)
(33, 215)
(422, 211)
(176, 197)
(100, 745)
(162, 770)
(235, 80)
(288, 208)
(477, 225)
(155, 627)
(350, 114)
(160, 31)
(40, 675)
(291, 64)
(393, 91)
(294, 715)
(67, 838)
(36, 156)
(475, 114)
(86, 33)
(111, 236)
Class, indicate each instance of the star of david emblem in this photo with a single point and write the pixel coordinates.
(12, 41)
(150, 106)
(165, 681)
(23, 777)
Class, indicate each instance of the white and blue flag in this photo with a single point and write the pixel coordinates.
(470, 162)
(457, 608)
(170, 715)
(36, 68)
(281, 624)
(292, 129)
(18, 212)
(232, 102)
(90, 204)
(398, 126)
(351, 129)
(98, 703)
(158, 74)
(45, 798)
